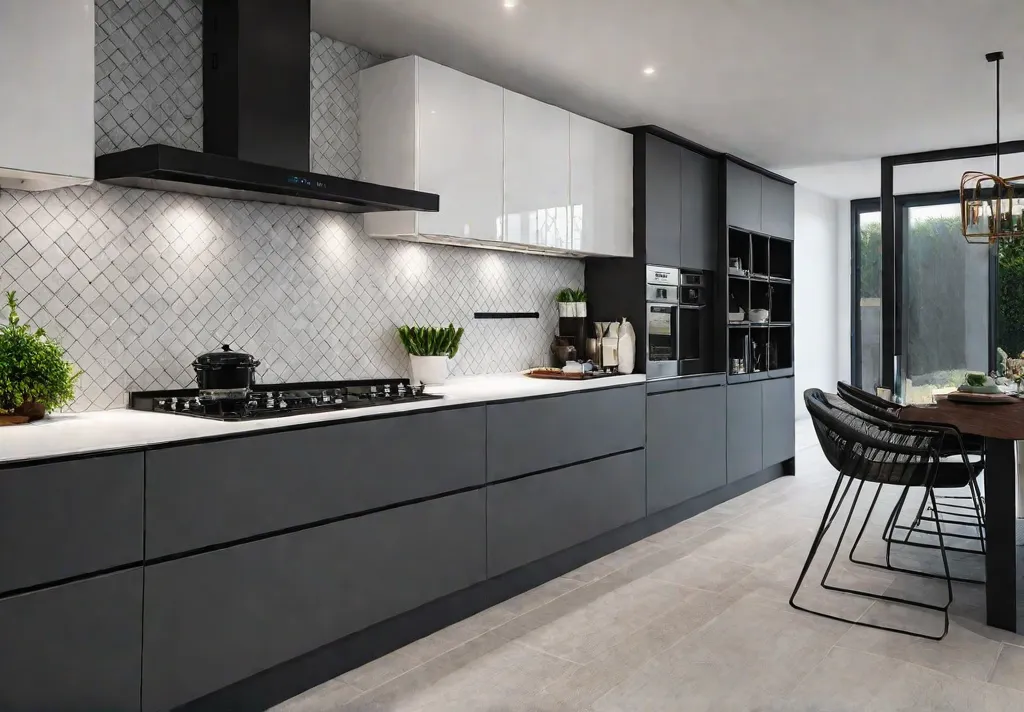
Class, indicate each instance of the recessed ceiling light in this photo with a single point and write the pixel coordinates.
(510, 4)
(648, 71)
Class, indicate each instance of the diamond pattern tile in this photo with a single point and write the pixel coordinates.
(136, 283)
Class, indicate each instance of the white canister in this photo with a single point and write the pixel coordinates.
(566, 309)
(429, 370)
(581, 309)
(627, 347)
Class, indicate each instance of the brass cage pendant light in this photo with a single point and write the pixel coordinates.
(992, 207)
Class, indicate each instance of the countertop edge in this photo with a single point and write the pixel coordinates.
(321, 420)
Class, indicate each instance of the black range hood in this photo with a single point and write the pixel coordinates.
(256, 121)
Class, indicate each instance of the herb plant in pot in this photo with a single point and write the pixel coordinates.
(34, 376)
(571, 303)
(429, 349)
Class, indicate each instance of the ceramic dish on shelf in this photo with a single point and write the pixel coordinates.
(758, 316)
(735, 317)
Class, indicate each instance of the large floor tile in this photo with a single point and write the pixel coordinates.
(748, 654)
(581, 628)
(1009, 669)
(848, 681)
(743, 545)
(696, 571)
(332, 695)
(962, 653)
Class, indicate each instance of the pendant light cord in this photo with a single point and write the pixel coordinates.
(999, 63)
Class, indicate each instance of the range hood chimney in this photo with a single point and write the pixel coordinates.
(256, 121)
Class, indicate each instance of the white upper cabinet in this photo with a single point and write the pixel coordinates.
(511, 172)
(602, 188)
(536, 173)
(427, 127)
(47, 89)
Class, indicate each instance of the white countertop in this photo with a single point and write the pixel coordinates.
(76, 433)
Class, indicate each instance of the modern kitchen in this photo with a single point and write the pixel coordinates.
(352, 348)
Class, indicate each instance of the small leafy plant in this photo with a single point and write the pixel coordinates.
(430, 340)
(571, 295)
(32, 367)
(976, 379)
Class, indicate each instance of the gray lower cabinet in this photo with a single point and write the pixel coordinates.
(216, 618)
(64, 519)
(542, 433)
(744, 430)
(778, 410)
(686, 445)
(532, 517)
(209, 493)
(73, 648)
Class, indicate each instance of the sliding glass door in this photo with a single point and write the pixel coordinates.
(945, 299)
(940, 323)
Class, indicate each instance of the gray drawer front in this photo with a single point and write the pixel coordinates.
(210, 493)
(73, 648)
(219, 617)
(779, 418)
(530, 518)
(686, 445)
(65, 519)
(541, 433)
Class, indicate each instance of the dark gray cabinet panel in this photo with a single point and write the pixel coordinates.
(219, 617)
(542, 433)
(686, 445)
(208, 493)
(699, 212)
(662, 189)
(64, 519)
(530, 518)
(73, 648)
(777, 208)
(744, 431)
(778, 414)
(743, 197)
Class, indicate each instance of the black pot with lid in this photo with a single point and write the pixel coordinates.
(225, 373)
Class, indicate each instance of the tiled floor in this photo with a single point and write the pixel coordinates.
(696, 618)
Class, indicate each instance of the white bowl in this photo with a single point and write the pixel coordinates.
(758, 316)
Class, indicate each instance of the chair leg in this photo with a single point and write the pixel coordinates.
(826, 522)
(978, 521)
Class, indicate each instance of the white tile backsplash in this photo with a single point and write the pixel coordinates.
(136, 283)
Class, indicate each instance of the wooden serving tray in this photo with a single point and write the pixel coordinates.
(13, 419)
(981, 398)
(562, 376)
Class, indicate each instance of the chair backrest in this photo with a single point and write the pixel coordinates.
(875, 450)
(868, 402)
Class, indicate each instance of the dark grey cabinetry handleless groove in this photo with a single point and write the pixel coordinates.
(778, 415)
(73, 648)
(205, 494)
(543, 433)
(686, 445)
(532, 517)
(215, 618)
(744, 431)
(64, 519)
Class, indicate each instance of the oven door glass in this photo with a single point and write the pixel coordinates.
(661, 333)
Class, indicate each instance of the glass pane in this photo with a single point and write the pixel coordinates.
(869, 299)
(1010, 309)
(946, 303)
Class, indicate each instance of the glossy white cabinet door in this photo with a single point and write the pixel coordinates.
(536, 172)
(460, 152)
(602, 188)
(47, 90)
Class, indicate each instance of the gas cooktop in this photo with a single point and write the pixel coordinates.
(281, 399)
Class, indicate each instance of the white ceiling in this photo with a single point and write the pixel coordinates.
(781, 82)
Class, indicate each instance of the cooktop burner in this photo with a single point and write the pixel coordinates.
(276, 400)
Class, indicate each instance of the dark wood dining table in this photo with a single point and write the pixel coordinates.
(1001, 426)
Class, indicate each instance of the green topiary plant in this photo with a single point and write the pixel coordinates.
(430, 340)
(33, 371)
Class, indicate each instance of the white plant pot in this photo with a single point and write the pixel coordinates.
(581, 309)
(429, 370)
(566, 309)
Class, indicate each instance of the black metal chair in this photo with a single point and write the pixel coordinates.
(868, 450)
(955, 474)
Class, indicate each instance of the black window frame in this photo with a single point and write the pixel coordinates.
(857, 208)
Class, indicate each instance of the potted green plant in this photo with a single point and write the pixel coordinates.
(429, 349)
(571, 302)
(34, 376)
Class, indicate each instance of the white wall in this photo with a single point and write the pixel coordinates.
(816, 284)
